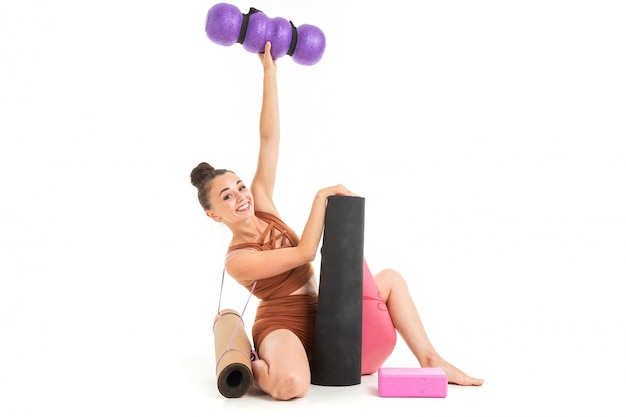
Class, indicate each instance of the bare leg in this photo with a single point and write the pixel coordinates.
(406, 319)
(283, 368)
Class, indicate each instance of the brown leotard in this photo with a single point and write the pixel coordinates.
(277, 308)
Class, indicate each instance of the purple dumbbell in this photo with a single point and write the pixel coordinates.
(227, 25)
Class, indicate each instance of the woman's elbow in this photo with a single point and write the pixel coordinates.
(306, 254)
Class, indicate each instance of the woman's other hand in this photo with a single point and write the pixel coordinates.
(338, 190)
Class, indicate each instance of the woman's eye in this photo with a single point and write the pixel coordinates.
(243, 187)
(227, 197)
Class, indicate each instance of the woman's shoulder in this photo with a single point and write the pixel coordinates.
(267, 215)
(246, 245)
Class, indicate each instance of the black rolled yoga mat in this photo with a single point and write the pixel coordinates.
(336, 354)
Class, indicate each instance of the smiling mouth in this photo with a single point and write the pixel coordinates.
(244, 207)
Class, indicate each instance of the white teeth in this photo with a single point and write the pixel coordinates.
(244, 207)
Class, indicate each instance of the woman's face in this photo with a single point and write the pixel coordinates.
(231, 200)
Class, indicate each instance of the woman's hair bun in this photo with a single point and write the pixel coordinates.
(201, 174)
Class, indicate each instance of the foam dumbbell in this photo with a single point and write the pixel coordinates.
(227, 25)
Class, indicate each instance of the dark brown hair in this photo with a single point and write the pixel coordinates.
(201, 177)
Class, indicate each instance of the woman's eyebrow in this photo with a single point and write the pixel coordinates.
(227, 188)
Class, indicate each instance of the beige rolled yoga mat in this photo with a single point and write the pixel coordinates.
(232, 354)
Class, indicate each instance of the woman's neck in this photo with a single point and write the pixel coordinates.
(248, 230)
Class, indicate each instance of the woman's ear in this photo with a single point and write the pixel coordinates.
(213, 216)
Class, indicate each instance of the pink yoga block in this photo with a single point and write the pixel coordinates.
(412, 382)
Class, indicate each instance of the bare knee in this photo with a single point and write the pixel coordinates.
(388, 281)
(289, 386)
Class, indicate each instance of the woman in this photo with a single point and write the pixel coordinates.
(284, 279)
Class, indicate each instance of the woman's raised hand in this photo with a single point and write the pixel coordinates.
(268, 62)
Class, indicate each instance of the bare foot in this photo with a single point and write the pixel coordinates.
(455, 375)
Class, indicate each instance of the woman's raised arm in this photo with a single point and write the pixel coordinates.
(262, 186)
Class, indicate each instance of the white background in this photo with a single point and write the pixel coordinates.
(487, 137)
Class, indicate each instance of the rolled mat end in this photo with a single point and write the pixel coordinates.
(234, 380)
